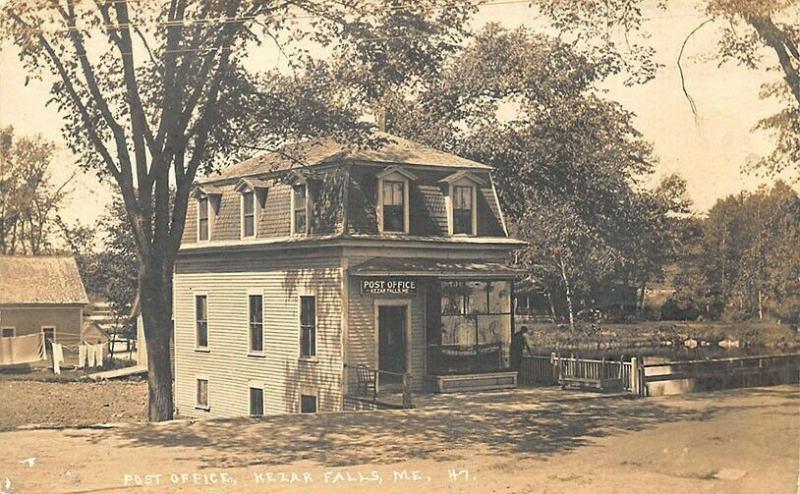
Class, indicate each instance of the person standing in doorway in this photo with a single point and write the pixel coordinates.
(519, 343)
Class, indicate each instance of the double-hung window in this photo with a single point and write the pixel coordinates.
(248, 214)
(394, 206)
(308, 326)
(300, 209)
(256, 325)
(201, 321)
(203, 219)
(462, 209)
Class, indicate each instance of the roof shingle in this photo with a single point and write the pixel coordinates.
(40, 280)
(320, 151)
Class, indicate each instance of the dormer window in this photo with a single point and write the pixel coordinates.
(300, 209)
(248, 213)
(463, 209)
(208, 201)
(394, 206)
(252, 192)
(203, 219)
(393, 200)
(461, 201)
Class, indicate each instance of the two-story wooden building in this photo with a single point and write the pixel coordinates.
(294, 274)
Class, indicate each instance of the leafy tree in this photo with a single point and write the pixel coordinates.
(744, 262)
(525, 103)
(617, 31)
(111, 271)
(151, 95)
(30, 201)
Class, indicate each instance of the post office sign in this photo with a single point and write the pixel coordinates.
(388, 286)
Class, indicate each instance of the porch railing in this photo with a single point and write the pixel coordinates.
(379, 385)
(554, 369)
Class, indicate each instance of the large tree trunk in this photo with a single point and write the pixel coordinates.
(784, 48)
(155, 289)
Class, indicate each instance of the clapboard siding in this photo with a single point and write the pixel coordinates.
(227, 364)
(362, 330)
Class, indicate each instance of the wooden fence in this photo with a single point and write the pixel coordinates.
(556, 370)
(640, 379)
(723, 373)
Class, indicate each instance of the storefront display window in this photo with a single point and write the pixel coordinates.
(468, 326)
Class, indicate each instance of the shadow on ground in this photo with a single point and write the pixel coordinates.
(518, 423)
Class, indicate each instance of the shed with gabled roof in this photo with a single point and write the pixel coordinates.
(41, 294)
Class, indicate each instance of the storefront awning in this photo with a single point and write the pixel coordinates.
(383, 266)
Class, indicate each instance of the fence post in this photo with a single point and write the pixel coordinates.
(407, 391)
(634, 376)
(375, 387)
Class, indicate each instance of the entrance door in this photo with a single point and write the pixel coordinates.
(392, 341)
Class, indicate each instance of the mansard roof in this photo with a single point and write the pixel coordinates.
(387, 149)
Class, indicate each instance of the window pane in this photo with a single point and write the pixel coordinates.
(203, 226)
(475, 302)
(307, 311)
(500, 297)
(300, 221)
(8, 332)
(462, 221)
(202, 206)
(299, 196)
(462, 197)
(249, 204)
(387, 194)
(249, 226)
(202, 392)
(393, 219)
(393, 193)
(256, 402)
(256, 309)
(308, 404)
(452, 297)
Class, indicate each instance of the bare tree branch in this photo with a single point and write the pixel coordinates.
(680, 68)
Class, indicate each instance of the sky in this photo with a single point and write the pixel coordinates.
(707, 149)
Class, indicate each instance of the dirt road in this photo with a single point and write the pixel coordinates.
(527, 441)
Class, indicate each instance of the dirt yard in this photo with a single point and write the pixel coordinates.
(27, 403)
(526, 441)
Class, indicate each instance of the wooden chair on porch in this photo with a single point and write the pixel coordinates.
(366, 379)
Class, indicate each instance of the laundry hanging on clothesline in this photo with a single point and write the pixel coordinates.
(22, 349)
(58, 357)
(91, 355)
(82, 356)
